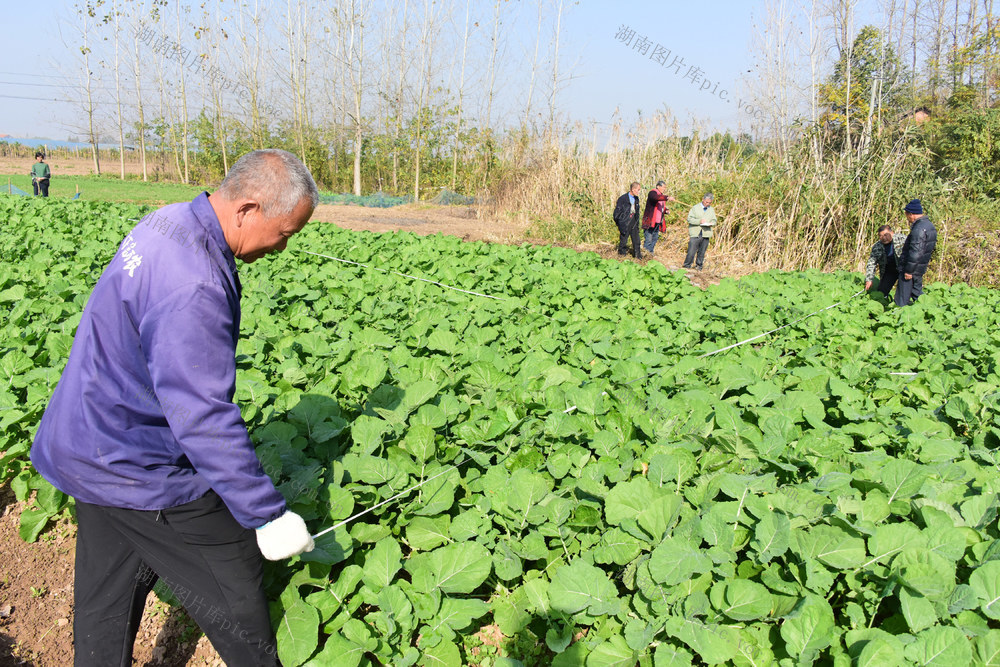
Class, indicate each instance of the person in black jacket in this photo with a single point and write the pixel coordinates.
(917, 251)
(626, 216)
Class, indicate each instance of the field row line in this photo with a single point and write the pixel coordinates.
(744, 342)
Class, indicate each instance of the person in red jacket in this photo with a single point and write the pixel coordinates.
(654, 216)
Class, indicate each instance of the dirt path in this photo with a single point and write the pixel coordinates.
(463, 222)
(36, 605)
(423, 219)
(69, 165)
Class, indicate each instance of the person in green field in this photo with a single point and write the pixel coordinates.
(701, 222)
(40, 175)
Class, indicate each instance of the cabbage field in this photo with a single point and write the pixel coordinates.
(590, 488)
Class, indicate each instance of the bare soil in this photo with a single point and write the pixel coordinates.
(62, 164)
(423, 219)
(36, 605)
(467, 224)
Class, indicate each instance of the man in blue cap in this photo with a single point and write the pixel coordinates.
(917, 251)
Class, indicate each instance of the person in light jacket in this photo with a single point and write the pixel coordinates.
(885, 257)
(701, 222)
(917, 251)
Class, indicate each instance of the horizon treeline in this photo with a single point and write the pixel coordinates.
(860, 104)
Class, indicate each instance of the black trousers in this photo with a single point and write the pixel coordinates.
(625, 232)
(697, 245)
(889, 277)
(908, 291)
(210, 563)
(40, 185)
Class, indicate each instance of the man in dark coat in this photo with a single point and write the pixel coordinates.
(626, 216)
(917, 251)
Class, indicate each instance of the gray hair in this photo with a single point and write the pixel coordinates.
(275, 178)
(708, 195)
(659, 183)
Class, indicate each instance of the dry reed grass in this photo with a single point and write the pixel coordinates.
(792, 211)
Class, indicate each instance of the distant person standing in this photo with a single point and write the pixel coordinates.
(40, 175)
(626, 216)
(701, 222)
(654, 215)
(885, 257)
(917, 251)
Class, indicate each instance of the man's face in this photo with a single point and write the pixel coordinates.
(260, 236)
(707, 201)
(635, 190)
(885, 236)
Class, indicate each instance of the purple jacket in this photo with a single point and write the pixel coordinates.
(143, 415)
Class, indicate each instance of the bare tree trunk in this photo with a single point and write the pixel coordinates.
(297, 37)
(461, 97)
(955, 70)
(221, 121)
(137, 73)
(116, 26)
(492, 72)
(354, 58)
(555, 69)
(251, 36)
(426, 59)
(938, 50)
(399, 101)
(989, 72)
(534, 69)
(185, 131)
(913, 51)
(971, 27)
(85, 14)
(814, 54)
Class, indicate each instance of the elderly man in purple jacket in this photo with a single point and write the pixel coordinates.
(143, 432)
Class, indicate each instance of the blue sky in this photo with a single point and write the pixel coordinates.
(712, 36)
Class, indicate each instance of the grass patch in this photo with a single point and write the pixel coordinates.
(102, 188)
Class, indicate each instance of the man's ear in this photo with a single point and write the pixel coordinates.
(247, 207)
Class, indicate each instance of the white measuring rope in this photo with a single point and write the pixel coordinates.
(375, 268)
(386, 501)
(750, 340)
(768, 333)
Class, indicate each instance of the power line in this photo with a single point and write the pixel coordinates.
(34, 75)
(49, 85)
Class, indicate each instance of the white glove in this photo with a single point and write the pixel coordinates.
(284, 537)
